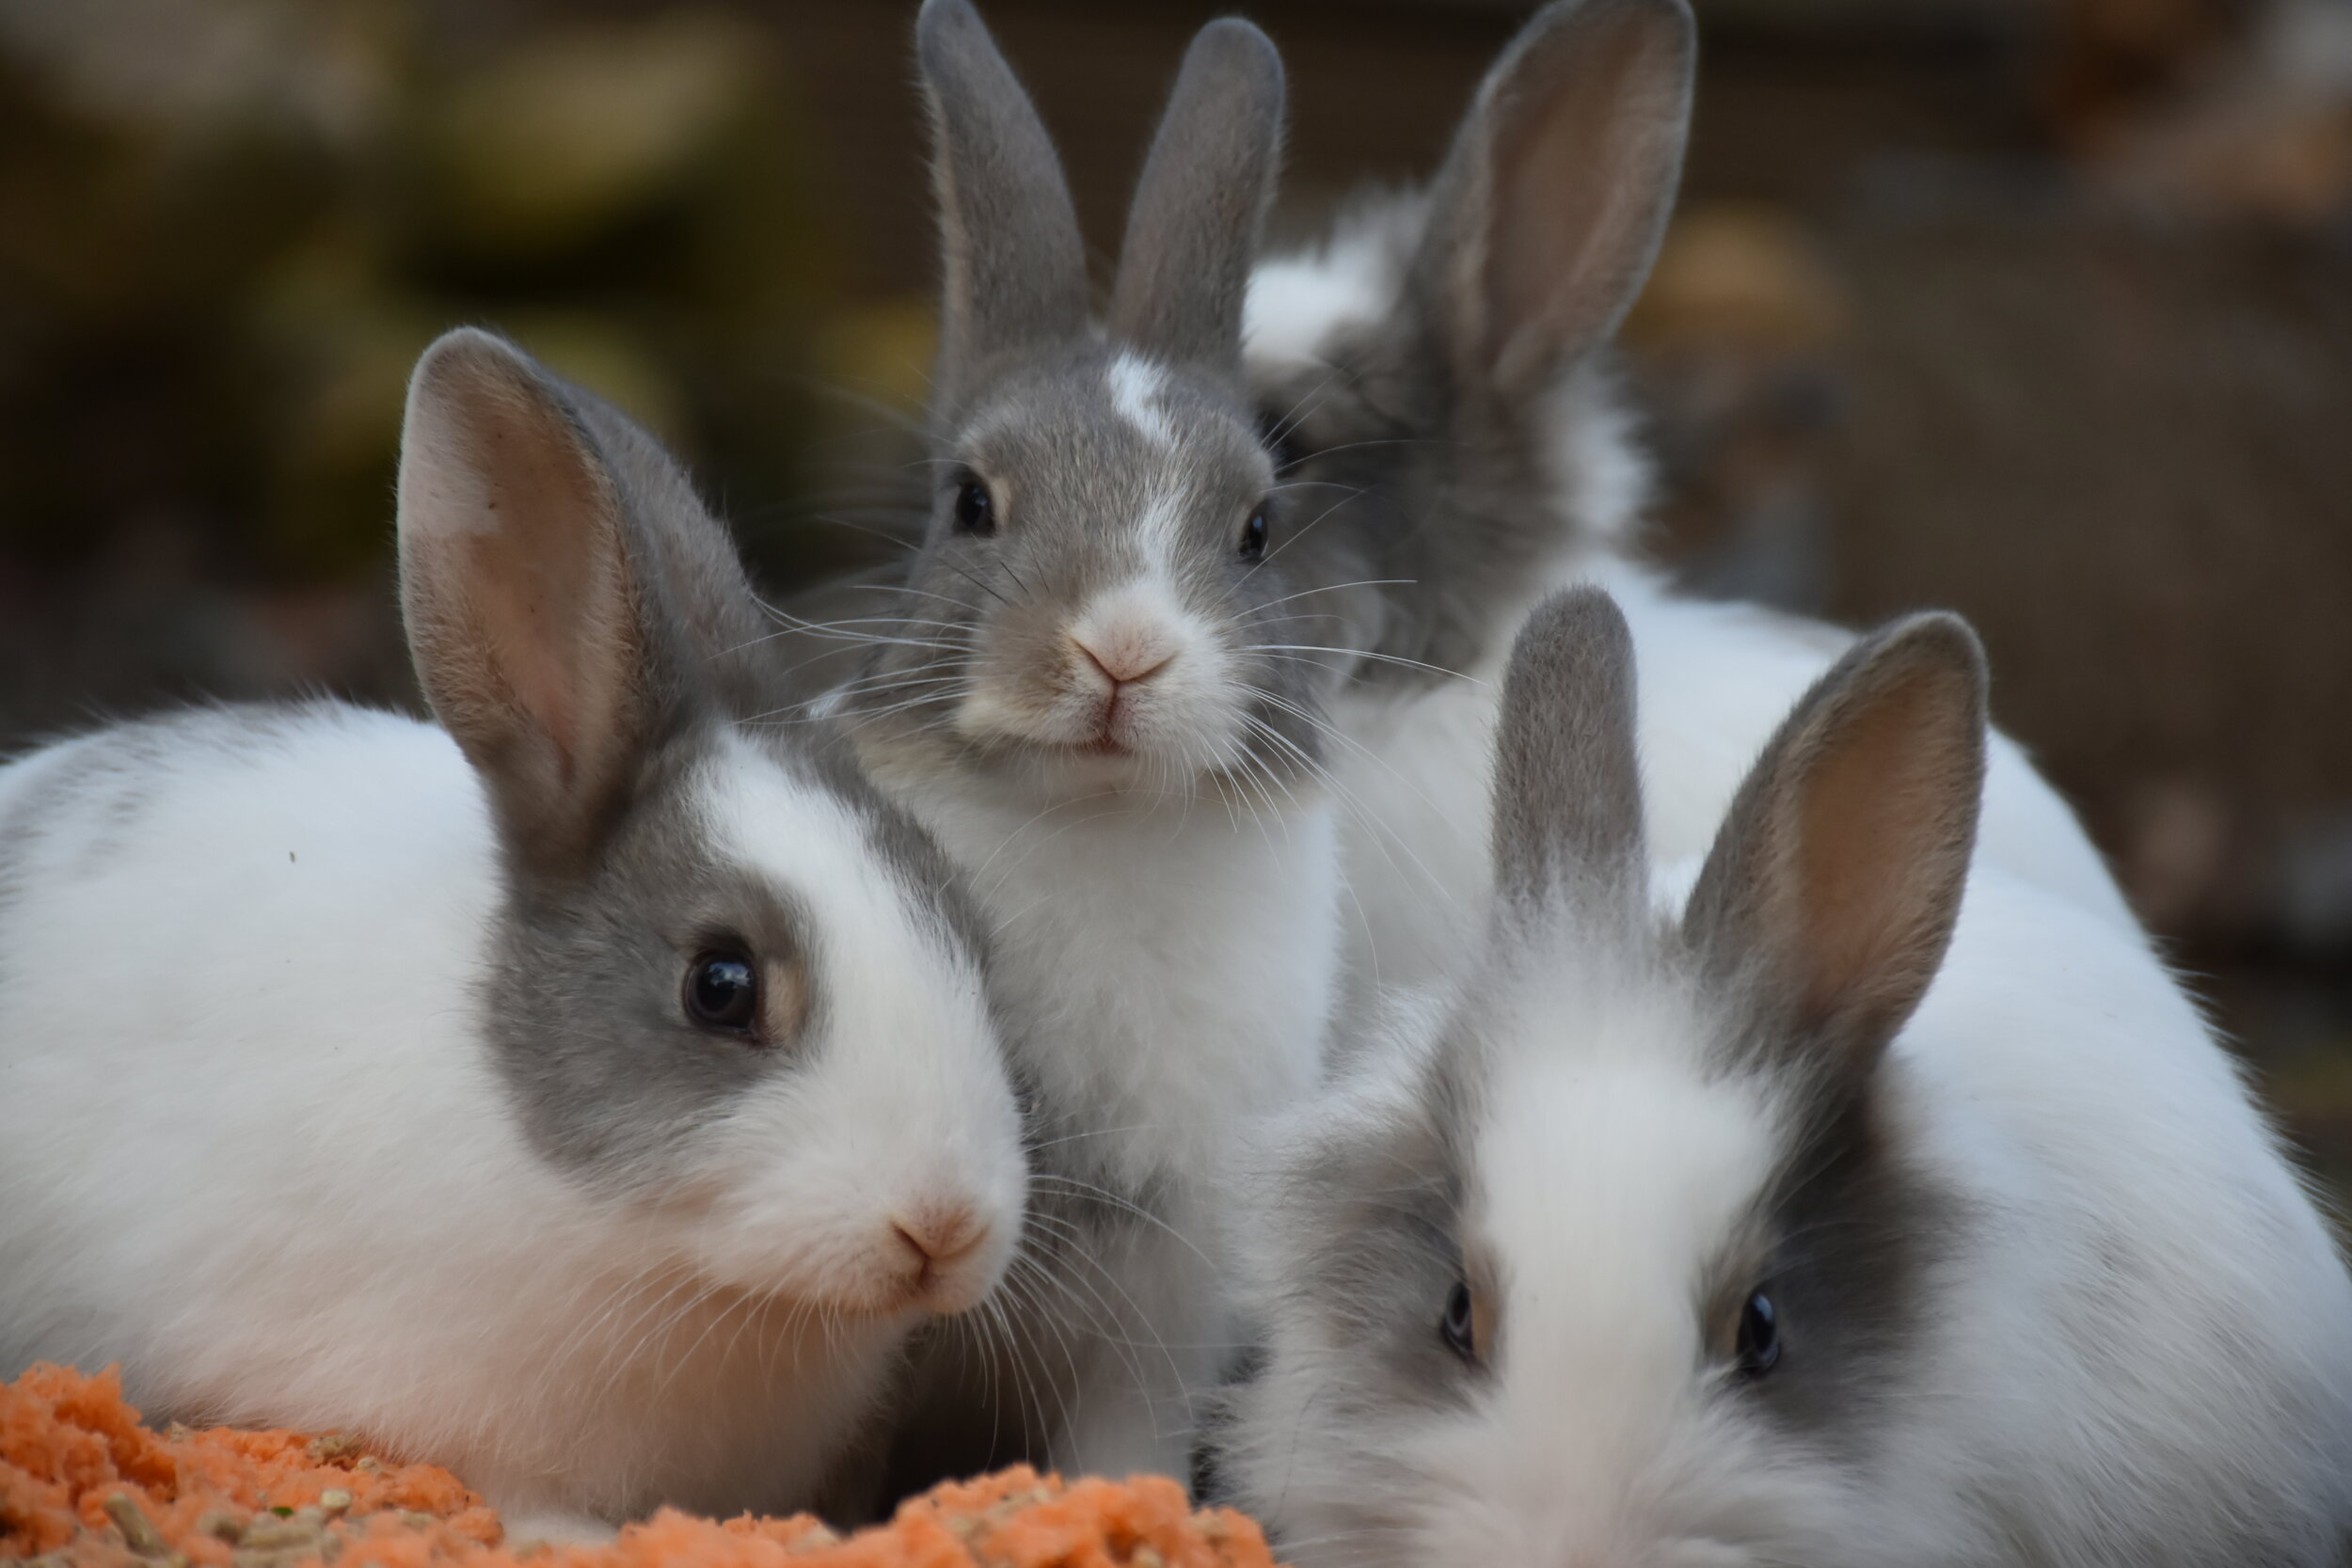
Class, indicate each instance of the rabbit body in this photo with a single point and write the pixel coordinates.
(587, 1093)
(1082, 689)
(1172, 971)
(2038, 1285)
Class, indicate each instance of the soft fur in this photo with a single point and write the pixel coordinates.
(345, 1081)
(2048, 1293)
(1435, 377)
(1090, 692)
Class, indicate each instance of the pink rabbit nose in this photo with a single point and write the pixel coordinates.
(1127, 657)
(939, 1236)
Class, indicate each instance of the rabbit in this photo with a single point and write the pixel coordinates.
(1436, 377)
(1871, 1209)
(590, 1093)
(1073, 694)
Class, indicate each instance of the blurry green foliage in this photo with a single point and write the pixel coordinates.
(226, 228)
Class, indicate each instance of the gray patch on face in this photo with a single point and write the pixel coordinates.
(1852, 1233)
(1429, 515)
(583, 994)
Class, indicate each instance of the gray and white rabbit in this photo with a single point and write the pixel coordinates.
(589, 1093)
(1078, 697)
(1437, 371)
(1867, 1209)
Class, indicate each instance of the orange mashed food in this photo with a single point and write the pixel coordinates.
(83, 1484)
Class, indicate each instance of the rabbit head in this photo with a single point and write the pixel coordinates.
(1624, 1265)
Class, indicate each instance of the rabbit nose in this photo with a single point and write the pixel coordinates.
(940, 1236)
(1126, 658)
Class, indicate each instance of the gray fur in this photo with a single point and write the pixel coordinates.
(1013, 266)
(1424, 440)
(582, 990)
(1208, 179)
(1025, 404)
(1369, 1230)
(1088, 496)
(1567, 782)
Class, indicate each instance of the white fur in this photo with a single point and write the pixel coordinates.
(1137, 386)
(1714, 680)
(1296, 303)
(1171, 964)
(252, 1148)
(2141, 1295)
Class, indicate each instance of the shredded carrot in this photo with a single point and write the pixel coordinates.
(83, 1484)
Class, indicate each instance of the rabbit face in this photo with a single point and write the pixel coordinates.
(1101, 592)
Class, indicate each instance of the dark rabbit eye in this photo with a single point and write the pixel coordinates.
(1760, 1335)
(976, 509)
(722, 991)
(1460, 1324)
(1253, 536)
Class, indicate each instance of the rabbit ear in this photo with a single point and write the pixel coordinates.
(1014, 268)
(1548, 211)
(720, 622)
(1568, 816)
(1835, 880)
(532, 625)
(1200, 203)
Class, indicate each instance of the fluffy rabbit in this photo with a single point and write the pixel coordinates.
(1077, 699)
(1436, 373)
(589, 1094)
(1873, 1210)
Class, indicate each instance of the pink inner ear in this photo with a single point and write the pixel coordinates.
(546, 581)
(1880, 837)
(1573, 198)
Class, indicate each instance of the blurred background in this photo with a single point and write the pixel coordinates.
(2041, 309)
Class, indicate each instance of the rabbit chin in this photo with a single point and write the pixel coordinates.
(1155, 743)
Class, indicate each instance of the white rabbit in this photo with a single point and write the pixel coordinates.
(1073, 695)
(1870, 1210)
(1436, 373)
(589, 1094)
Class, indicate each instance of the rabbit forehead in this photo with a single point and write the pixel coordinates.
(1106, 435)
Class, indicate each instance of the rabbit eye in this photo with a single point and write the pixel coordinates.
(1459, 1326)
(722, 991)
(1760, 1335)
(1253, 536)
(976, 509)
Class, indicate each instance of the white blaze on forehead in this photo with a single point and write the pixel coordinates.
(1137, 386)
(1612, 1170)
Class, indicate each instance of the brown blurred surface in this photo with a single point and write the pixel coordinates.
(2038, 308)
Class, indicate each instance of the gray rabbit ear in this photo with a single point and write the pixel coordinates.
(1550, 206)
(1013, 265)
(1200, 203)
(719, 620)
(535, 631)
(1831, 891)
(1568, 813)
